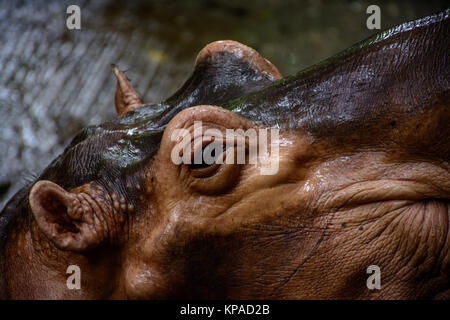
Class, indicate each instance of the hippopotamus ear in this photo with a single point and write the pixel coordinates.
(126, 98)
(64, 217)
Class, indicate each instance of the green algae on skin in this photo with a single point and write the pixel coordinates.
(239, 104)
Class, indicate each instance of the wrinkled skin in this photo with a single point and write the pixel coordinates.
(363, 179)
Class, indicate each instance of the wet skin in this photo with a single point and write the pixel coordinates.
(363, 180)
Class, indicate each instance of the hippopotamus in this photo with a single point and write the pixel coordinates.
(362, 181)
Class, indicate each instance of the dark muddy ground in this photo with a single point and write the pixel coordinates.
(54, 81)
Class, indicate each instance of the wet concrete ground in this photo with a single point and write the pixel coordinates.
(54, 81)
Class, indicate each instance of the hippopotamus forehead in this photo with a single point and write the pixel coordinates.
(224, 70)
(106, 151)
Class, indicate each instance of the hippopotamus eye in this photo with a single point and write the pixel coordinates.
(207, 160)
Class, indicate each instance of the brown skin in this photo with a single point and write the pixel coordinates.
(337, 205)
(351, 207)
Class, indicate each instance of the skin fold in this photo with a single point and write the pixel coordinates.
(363, 180)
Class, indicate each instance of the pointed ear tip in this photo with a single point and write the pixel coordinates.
(42, 189)
(45, 185)
(116, 70)
(38, 188)
(126, 97)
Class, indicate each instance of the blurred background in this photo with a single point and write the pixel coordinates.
(55, 81)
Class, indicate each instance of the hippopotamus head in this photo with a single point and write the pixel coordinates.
(360, 151)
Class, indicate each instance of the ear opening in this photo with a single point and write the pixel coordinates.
(60, 216)
(52, 205)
